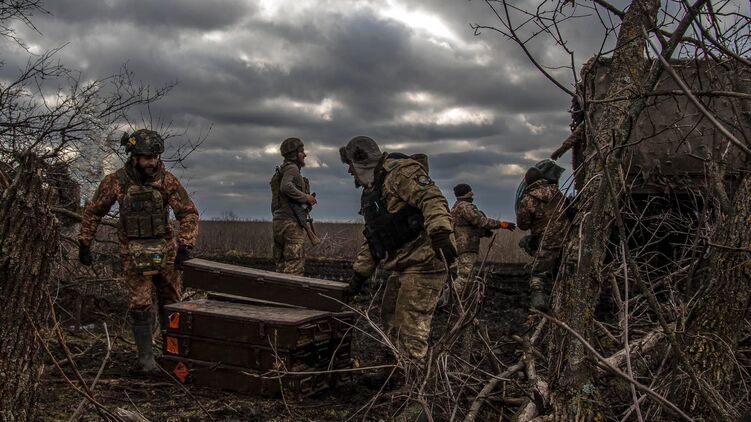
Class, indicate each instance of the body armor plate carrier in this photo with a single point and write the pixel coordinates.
(386, 232)
(144, 218)
(143, 214)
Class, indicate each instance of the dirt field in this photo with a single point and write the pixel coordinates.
(160, 398)
(341, 241)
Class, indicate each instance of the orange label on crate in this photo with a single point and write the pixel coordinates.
(174, 320)
(173, 346)
(181, 372)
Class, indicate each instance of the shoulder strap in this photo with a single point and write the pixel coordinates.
(123, 179)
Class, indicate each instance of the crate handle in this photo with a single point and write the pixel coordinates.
(325, 326)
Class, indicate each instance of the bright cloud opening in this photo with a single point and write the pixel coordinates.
(450, 117)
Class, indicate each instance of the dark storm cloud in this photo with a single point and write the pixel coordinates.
(151, 15)
(259, 72)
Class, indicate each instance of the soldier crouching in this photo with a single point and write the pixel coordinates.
(408, 230)
(151, 254)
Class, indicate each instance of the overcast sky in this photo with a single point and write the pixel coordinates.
(410, 74)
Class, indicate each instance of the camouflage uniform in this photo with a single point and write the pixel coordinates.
(417, 276)
(111, 190)
(541, 211)
(576, 137)
(470, 224)
(289, 235)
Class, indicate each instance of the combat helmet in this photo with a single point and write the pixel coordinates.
(290, 145)
(360, 151)
(143, 142)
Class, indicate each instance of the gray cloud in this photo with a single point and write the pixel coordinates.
(411, 74)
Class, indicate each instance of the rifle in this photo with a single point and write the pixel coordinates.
(302, 215)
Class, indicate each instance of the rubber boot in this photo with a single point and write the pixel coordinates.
(539, 300)
(143, 322)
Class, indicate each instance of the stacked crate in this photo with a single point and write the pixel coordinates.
(239, 340)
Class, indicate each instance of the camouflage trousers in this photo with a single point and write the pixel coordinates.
(465, 264)
(167, 281)
(288, 250)
(409, 300)
(544, 268)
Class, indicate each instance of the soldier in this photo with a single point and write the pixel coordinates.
(288, 189)
(470, 224)
(151, 254)
(408, 231)
(540, 209)
(574, 139)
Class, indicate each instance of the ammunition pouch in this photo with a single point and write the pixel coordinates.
(143, 214)
(148, 255)
(530, 243)
(386, 232)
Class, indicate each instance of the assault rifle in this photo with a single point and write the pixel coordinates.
(302, 215)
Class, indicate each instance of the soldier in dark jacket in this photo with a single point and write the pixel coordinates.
(470, 225)
(151, 253)
(541, 210)
(289, 188)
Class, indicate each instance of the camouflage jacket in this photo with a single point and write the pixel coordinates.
(570, 142)
(470, 224)
(541, 210)
(407, 183)
(293, 187)
(173, 193)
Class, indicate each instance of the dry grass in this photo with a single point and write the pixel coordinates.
(341, 240)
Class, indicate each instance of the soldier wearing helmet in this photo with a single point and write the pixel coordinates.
(540, 209)
(289, 187)
(408, 231)
(150, 251)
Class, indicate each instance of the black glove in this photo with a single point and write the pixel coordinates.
(183, 254)
(355, 284)
(441, 242)
(84, 254)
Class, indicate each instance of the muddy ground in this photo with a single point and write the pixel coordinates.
(85, 308)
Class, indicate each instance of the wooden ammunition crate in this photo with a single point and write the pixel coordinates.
(246, 355)
(265, 285)
(244, 380)
(268, 326)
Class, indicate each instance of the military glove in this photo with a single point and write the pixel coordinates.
(356, 284)
(507, 225)
(183, 254)
(84, 254)
(441, 242)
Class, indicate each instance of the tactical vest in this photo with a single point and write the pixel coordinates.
(143, 213)
(386, 232)
(276, 183)
(277, 202)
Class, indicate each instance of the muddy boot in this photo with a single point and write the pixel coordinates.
(143, 322)
(539, 300)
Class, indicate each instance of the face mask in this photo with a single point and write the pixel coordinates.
(364, 176)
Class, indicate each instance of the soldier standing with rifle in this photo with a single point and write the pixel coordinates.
(290, 193)
(151, 254)
(408, 231)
